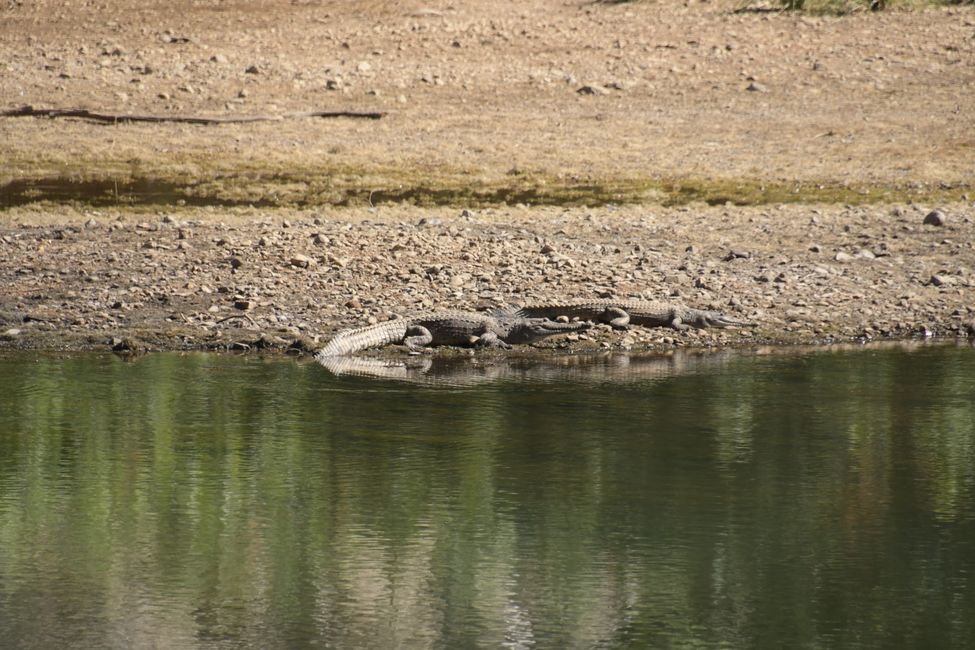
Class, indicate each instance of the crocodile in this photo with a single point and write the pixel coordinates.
(460, 328)
(620, 314)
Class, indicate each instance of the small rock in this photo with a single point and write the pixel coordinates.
(236, 263)
(320, 240)
(126, 346)
(816, 248)
(940, 280)
(935, 218)
(10, 334)
(252, 69)
(737, 254)
(354, 304)
(843, 257)
(592, 89)
(618, 85)
(243, 305)
(756, 87)
(301, 261)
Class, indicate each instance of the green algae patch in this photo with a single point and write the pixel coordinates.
(753, 192)
(203, 183)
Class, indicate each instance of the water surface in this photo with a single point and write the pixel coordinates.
(204, 501)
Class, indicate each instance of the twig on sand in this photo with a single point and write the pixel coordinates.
(239, 316)
(114, 118)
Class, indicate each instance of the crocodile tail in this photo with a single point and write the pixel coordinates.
(361, 338)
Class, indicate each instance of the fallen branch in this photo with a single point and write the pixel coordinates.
(114, 118)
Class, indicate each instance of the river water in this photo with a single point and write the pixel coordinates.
(808, 500)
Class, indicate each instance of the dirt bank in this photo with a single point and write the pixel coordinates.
(199, 278)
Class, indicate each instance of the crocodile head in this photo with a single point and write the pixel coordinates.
(527, 330)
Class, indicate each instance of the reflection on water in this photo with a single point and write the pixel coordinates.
(816, 500)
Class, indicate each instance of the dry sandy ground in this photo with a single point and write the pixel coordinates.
(488, 94)
(483, 88)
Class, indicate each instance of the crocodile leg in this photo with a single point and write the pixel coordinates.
(417, 338)
(491, 340)
(617, 318)
(676, 322)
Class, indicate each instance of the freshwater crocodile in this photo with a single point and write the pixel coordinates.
(448, 328)
(620, 314)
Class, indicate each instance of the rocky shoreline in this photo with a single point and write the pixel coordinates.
(286, 280)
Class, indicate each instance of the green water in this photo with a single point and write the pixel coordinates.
(803, 501)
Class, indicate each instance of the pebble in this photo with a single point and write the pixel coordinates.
(592, 89)
(301, 261)
(935, 218)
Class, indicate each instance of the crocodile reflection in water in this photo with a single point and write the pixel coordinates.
(598, 367)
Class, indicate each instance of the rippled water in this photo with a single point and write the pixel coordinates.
(802, 501)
